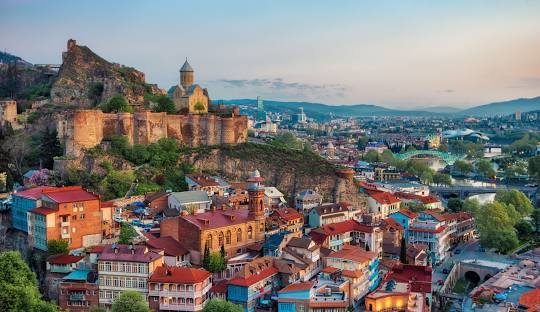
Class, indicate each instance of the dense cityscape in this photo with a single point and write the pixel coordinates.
(119, 195)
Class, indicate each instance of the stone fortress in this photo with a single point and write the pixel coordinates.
(193, 126)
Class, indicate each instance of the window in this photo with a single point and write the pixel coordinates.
(209, 240)
(250, 232)
(228, 238)
(155, 298)
(73, 217)
(64, 218)
(239, 235)
(220, 238)
(82, 216)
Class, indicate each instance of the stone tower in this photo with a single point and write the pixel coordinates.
(186, 75)
(256, 195)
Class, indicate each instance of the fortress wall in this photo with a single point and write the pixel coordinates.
(87, 128)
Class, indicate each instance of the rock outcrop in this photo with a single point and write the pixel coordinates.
(85, 79)
(290, 171)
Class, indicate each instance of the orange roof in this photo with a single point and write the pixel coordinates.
(428, 230)
(254, 278)
(384, 198)
(531, 300)
(288, 214)
(70, 194)
(179, 275)
(202, 179)
(429, 199)
(346, 226)
(33, 193)
(353, 253)
(350, 273)
(329, 270)
(409, 214)
(435, 214)
(42, 211)
(298, 287)
(64, 259)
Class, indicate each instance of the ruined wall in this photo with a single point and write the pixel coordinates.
(8, 112)
(87, 128)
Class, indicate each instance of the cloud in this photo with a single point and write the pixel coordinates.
(284, 87)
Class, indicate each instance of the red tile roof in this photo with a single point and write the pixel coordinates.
(435, 214)
(298, 287)
(139, 254)
(254, 278)
(353, 253)
(429, 199)
(64, 259)
(33, 193)
(170, 246)
(288, 214)
(218, 218)
(326, 209)
(418, 277)
(391, 223)
(440, 229)
(182, 275)
(458, 216)
(409, 214)
(531, 300)
(42, 211)
(220, 287)
(202, 179)
(353, 274)
(70, 194)
(96, 249)
(329, 270)
(346, 226)
(384, 198)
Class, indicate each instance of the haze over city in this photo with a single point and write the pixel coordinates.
(399, 54)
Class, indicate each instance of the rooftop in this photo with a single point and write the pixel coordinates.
(179, 275)
(69, 194)
(63, 259)
(130, 253)
(170, 246)
(33, 193)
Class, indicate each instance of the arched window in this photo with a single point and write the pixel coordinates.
(250, 232)
(239, 235)
(209, 241)
(220, 238)
(228, 238)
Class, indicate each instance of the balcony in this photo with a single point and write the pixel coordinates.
(65, 235)
(77, 297)
(180, 307)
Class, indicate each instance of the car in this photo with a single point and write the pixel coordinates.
(457, 251)
(445, 271)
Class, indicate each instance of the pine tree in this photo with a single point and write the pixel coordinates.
(403, 251)
(49, 148)
(206, 257)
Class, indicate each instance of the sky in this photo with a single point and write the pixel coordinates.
(400, 54)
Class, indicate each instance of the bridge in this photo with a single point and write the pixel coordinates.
(447, 158)
(465, 191)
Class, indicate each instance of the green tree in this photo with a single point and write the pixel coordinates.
(287, 140)
(463, 167)
(116, 183)
(455, 204)
(49, 148)
(166, 105)
(524, 228)
(130, 301)
(199, 106)
(485, 169)
(206, 257)
(95, 91)
(216, 262)
(517, 199)
(426, 177)
(472, 205)
(362, 142)
(18, 286)
(127, 233)
(442, 179)
(403, 251)
(388, 157)
(503, 236)
(138, 154)
(116, 104)
(536, 219)
(534, 168)
(218, 305)
(57, 246)
(97, 309)
(371, 156)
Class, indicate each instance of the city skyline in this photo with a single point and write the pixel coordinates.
(398, 55)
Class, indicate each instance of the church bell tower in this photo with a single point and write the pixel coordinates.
(256, 195)
(186, 75)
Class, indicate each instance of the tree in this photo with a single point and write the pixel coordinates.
(455, 204)
(496, 227)
(426, 177)
(524, 228)
(472, 206)
(485, 169)
(403, 251)
(57, 246)
(388, 157)
(536, 219)
(116, 183)
(218, 305)
(517, 199)
(97, 309)
(206, 256)
(534, 167)
(40, 177)
(287, 140)
(463, 167)
(371, 156)
(166, 105)
(199, 106)
(18, 286)
(49, 148)
(216, 263)
(442, 179)
(362, 142)
(130, 301)
(95, 91)
(127, 233)
(116, 104)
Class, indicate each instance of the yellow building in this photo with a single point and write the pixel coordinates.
(187, 96)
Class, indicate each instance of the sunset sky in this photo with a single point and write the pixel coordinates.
(398, 54)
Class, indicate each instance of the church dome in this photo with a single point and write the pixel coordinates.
(186, 67)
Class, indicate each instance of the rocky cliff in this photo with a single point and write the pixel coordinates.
(291, 171)
(85, 79)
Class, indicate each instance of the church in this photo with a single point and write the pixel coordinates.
(189, 98)
(233, 227)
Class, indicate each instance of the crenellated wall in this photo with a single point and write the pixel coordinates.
(87, 128)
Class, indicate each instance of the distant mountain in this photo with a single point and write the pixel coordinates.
(504, 108)
(323, 111)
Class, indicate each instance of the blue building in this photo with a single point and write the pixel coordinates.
(251, 286)
(404, 217)
(22, 202)
(296, 297)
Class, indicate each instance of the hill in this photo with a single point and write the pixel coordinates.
(504, 108)
(9, 58)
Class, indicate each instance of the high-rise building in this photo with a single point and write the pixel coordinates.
(261, 114)
(518, 115)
